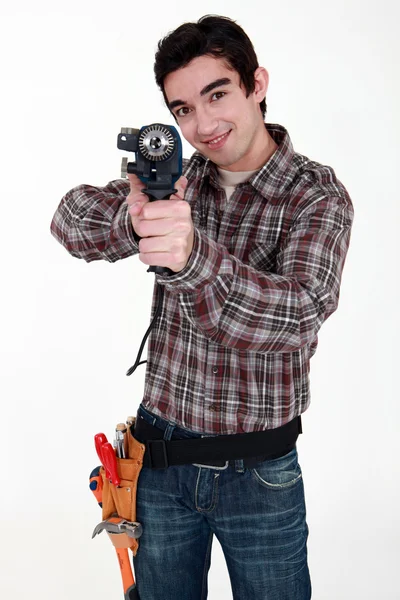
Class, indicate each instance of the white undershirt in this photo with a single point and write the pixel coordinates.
(230, 179)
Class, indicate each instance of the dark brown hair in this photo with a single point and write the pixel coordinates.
(211, 35)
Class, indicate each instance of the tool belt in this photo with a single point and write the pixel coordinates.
(121, 499)
(216, 450)
(147, 448)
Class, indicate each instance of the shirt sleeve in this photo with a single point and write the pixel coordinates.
(93, 223)
(240, 307)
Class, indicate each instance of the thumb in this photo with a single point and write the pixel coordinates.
(181, 186)
(137, 206)
(135, 183)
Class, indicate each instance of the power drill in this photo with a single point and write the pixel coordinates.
(158, 164)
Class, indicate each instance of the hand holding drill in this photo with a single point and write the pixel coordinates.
(159, 214)
(165, 226)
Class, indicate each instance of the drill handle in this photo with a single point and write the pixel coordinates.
(160, 270)
(158, 194)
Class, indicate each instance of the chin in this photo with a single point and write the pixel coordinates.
(226, 163)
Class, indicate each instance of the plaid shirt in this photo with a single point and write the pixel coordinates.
(230, 352)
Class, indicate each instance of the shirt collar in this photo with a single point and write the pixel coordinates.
(271, 175)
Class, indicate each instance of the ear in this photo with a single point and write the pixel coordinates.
(261, 80)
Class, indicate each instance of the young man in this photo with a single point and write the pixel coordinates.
(256, 239)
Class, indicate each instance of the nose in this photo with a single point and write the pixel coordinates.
(206, 123)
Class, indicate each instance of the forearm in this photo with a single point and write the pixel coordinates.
(93, 223)
(240, 307)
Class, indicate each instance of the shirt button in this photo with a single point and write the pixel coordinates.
(215, 370)
(212, 407)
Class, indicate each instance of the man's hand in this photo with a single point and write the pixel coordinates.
(165, 226)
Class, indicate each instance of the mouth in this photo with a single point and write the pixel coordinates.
(217, 142)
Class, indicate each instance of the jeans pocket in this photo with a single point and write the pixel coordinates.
(279, 473)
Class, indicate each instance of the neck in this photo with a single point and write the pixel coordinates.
(264, 148)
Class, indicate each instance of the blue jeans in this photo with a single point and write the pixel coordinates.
(257, 514)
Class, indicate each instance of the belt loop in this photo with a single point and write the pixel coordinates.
(168, 432)
(239, 466)
(149, 444)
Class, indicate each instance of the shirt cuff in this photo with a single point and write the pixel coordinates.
(201, 269)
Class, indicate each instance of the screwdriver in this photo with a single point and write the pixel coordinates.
(121, 441)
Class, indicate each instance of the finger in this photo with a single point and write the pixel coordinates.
(162, 259)
(135, 183)
(136, 197)
(135, 211)
(180, 186)
(137, 203)
(136, 187)
(166, 209)
(182, 180)
(154, 228)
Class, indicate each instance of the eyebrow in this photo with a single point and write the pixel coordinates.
(208, 88)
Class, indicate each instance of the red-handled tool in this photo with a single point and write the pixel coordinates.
(107, 456)
(110, 462)
(99, 440)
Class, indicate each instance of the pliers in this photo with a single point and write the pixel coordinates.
(115, 525)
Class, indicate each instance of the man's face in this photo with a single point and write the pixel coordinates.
(215, 116)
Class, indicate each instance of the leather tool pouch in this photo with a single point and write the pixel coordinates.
(122, 500)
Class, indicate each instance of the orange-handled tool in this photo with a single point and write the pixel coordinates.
(115, 526)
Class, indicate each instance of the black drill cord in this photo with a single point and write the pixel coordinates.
(153, 195)
(156, 315)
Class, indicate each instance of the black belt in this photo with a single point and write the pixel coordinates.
(215, 450)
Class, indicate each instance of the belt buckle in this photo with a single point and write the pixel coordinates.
(222, 464)
(218, 467)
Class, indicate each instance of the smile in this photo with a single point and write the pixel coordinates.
(219, 141)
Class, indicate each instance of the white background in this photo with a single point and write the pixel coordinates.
(74, 73)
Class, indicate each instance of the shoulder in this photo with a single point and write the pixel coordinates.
(312, 174)
(312, 182)
(290, 179)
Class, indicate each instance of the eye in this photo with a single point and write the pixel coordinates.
(185, 110)
(219, 94)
